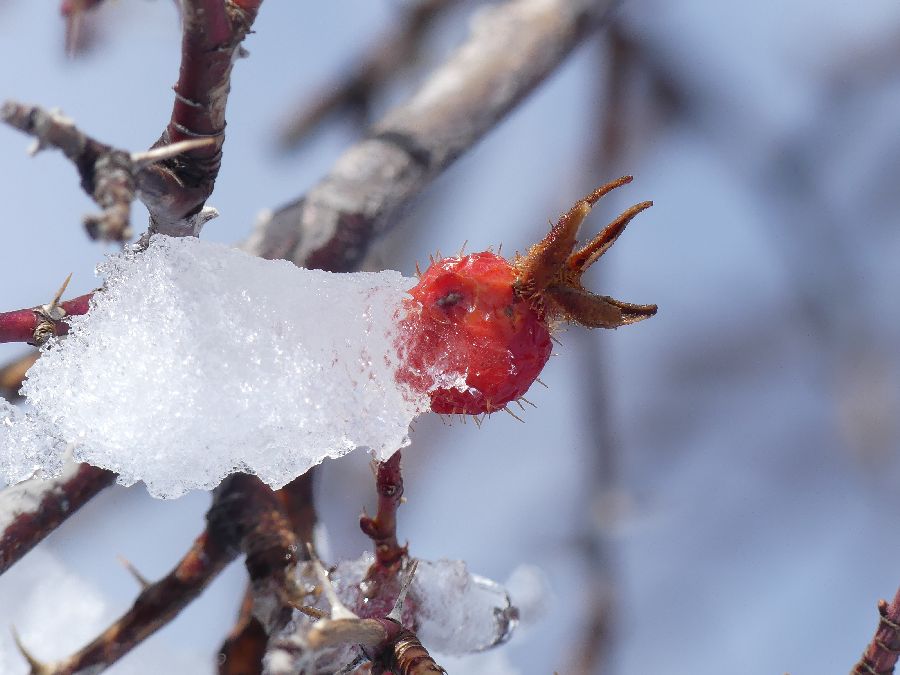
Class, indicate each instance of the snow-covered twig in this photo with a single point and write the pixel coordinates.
(512, 48)
(31, 510)
(881, 655)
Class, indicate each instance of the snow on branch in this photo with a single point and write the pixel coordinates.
(512, 48)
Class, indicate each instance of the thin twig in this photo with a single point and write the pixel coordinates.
(383, 576)
(881, 655)
(382, 529)
(512, 48)
(31, 510)
(176, 189)
(384, 61)
(34, 325)
(244, 518)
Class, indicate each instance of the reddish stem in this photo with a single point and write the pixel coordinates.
(382, 529)
(19, 325)
(212, 34)
(881, 655)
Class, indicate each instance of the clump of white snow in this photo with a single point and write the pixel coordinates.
(198, 360)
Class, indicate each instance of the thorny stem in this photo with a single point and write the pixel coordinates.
(47, 504)
(157, 604)
(382, 529)
(383, 576)
(22, 325)
(211, 39)
(244, 518)
(881, 654)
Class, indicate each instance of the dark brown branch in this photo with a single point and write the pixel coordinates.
(31, 510)
(293, 519)
(881, 655)
(243, 650)
(112, 177)
(512, 49)
(244, 517)
(353, 94)
(211, 39)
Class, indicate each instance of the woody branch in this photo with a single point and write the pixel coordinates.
(177, 175)
(511, 49)
(245, 518)
(881, 654)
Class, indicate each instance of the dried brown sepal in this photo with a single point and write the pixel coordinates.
(549, 275)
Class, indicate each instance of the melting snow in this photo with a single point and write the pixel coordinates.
(198, 360)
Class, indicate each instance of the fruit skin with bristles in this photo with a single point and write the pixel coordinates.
(466, 323)
(476, 333)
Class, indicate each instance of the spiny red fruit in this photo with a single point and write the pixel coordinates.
(476, 333)
(465, 324)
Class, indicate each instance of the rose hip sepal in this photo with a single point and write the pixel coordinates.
(476, 333)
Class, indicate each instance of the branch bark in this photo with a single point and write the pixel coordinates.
(512, 48)
(354, 92)
(31, 510)
(34, 325)
(213, 31)
(173, 188)
(245, 517)
(882, 652)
